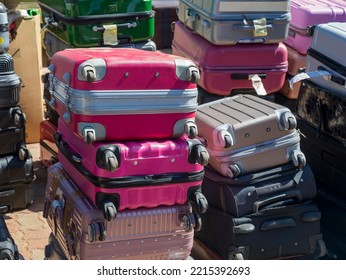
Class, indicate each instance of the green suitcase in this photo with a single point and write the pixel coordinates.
(97, 23)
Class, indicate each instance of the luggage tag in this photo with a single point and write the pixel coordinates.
(260, 27)
(110, 35)
(303, 76)
(257, 84)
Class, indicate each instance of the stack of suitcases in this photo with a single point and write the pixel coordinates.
(305, 16)
(321, 114)
(97, 23)
(16, 165)
(259, 188)
(237, 45)
(127, 184)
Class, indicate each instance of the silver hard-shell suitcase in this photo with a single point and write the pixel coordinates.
(246, 133)
(231, 22)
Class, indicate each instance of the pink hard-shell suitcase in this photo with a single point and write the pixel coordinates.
(48, 147)
(121, 93)
(306, 14)
(132, 174)
(164, 232)
(226, 70)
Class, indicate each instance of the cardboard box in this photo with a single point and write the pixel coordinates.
(26, 50)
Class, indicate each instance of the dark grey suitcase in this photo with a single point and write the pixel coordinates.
(16, 190)
(8, 248)
(10, 83)
(12, 117)
(249, 193)
(53, 251)
(13, 142)
(277, 232)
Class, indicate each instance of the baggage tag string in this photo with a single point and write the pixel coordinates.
(257, 84)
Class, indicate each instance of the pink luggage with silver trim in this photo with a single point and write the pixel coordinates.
(120, 93)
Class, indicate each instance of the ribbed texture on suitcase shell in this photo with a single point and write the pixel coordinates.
(6, 64)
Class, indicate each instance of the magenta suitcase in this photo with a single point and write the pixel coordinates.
(164, 232)
(227, 70)
(127, 175)
(48, 147)
(122, 94)
(306, 14)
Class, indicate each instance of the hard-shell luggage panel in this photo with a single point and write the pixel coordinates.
(112, 194)
(228, 69)
(234, 22)
(12, 141)
(48, 147)
(152, 233)
(248, 194)
(308, 14)
(273, 233)
(327, 53)
(242, 120)
(16, 196)
(14, 170)
(99, 22)
(107, 97)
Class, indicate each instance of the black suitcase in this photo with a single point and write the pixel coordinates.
(53, 251)
(249, 193)
(8, 248)
(16, 178)
(12, 117)
(333, 222)
(50, 113)
(321, 116)
(10, 83)
(277, 232)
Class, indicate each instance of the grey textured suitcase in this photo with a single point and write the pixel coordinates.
(4, 29)
(231, 22)
(164, 232)
(327, 52)
(8, 247)
(277, 232)
(245, 133)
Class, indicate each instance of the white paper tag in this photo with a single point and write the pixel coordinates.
(303, 76)
(257, 84)
(110, 35)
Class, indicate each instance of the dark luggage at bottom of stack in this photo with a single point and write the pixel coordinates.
(277, 232)
(8, 248)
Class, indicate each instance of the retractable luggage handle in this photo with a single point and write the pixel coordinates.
(295, 194)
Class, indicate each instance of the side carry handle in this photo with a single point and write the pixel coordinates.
(278, 223)
(287, 195)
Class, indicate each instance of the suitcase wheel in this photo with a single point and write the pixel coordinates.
(234, 171)
(200, 201)
(90, 136)
(198, 222)
(289, 121)
(191, 130)
(236, 256)
(202, 155)
(321, 248)
(19, 118)
(188, 221)
(228, 141)
(47, 250)
(102, 229)
(6, 254)
(193, 74)
(23, 154)
(299, 159)
(109, 210)
(111, 161)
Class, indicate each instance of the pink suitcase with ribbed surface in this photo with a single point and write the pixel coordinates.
(120, 94)
(228, 69)
(164, 232)
(306, 14)
(131, 174)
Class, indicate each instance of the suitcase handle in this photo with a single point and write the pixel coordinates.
(247, 76)
(246, 26)
(290, 194)
(279, 223)
(120, 26)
